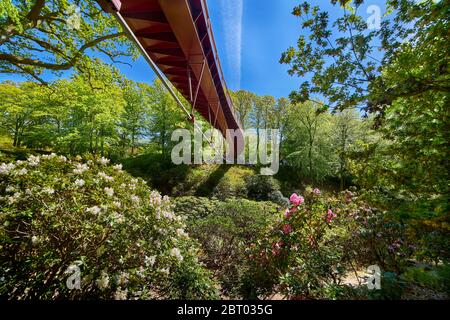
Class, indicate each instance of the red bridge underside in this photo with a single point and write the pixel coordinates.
(178, 37)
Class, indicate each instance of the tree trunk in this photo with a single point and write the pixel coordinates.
(132, 141)
(16, 134)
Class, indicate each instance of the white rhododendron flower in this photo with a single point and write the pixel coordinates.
(150, 261)
(135, 199)
(121, 294)
(33, 161)
(141, 272)
(94, 210)
(104, 176)
(22, 172)
(165, 271)
(175, 252)
(117, 204)
(103, 281)
(6, 168)
(80, 168)
(181, 233)
(48, 190)
(14, 198)
(79, 182)
(155, 198)
(10, 189)
(168, 215)
(49, 156)
(117, 217)
(122, 278)
(109, 191)
(118, 167)
(103, 161)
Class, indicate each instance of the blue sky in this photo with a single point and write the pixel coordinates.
(268, 28)
(250, 36)
(251, 61)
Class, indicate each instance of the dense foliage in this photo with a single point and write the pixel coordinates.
(100, 113)
(225, 230)
(38, 36)
(57, 214)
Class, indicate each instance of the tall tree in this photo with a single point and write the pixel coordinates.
(56, 35)
(96, 103)
(344, 59)
(19, 108)
(307, 143)
(347, 128)
(280, 117)
(137, 109)
(243, 103)
(165, 116)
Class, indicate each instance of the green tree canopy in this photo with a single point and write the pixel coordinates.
(56, 35)
(346, 60)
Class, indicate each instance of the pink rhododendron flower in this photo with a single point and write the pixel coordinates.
(287, 229)
(330, 215)
(316, 191)
(276, 247)
(296, 199)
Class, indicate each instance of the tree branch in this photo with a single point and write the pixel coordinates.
(35, 11)
(369, 77)
(54, 66)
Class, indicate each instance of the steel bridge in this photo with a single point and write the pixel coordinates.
(176, 38)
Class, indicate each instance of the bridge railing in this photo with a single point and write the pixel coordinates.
(216, 58)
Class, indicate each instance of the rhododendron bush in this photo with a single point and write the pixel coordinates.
(299, 251)
(319, 240)
(304, 251)
(58, 216)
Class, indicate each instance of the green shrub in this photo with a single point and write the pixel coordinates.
(260, 187)
(195, 208)
(392, 287)
(435, 278)
(278, 198)
(57, 214)
(226, 229)
(233, 183)
(342, 292)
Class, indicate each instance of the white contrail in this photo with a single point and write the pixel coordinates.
(232, 12)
